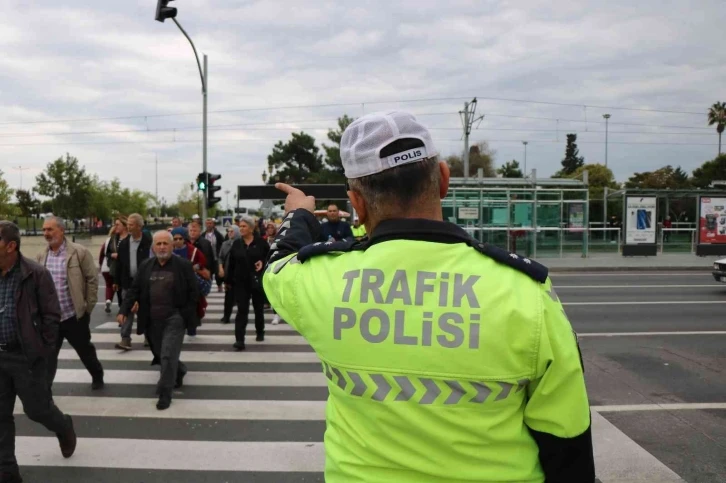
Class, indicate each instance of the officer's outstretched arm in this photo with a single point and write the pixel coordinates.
(300, 228)
(558, 412)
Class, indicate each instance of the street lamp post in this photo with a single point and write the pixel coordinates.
(226, 192)
(607, 117)
(525, 157)
(163, 12)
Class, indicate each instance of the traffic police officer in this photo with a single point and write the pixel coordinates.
(447, 359)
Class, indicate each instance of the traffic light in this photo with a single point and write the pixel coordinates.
(163, 11)
(202, 182)
(211, 189)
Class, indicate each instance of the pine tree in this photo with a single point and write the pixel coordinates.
(572, 160)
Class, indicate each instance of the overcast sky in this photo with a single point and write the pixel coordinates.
(277, 66)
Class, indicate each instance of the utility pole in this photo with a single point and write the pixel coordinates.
(607, 117)
(21, 169)
(226, 192)
(467, 121)
(525, 157)
(156, 168)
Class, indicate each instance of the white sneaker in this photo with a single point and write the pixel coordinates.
(108, 306)
(276, 319)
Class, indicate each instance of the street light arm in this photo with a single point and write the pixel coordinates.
(199, 65)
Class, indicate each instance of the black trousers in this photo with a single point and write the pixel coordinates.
(78, 334)
(229, 300)
(30, 384)
(242, 295)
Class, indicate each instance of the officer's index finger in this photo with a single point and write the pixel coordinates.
(286, 188)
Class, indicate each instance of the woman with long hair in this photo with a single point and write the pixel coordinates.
(270, 234)
(119, 232)
(106, 270)
(246, 261)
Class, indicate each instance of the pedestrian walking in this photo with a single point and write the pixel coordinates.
(232, 235)
(446, 358)
(119, 234)
(166, 291)
(29, 324)
(215, 239)
(76, 282)
(202, 244)
(183, 248)
(246, 260)
(105, 269)
(132, 251)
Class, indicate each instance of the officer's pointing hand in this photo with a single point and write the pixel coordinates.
(296, 199)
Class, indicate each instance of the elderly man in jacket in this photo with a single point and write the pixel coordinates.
(76, 283)
(166, 291)
(29, 319)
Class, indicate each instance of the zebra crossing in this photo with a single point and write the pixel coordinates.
(252, 416)
(256, 416)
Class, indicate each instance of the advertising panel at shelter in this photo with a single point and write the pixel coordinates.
(641, 221)
(712, 220)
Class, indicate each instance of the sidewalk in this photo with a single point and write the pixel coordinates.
(616, 262)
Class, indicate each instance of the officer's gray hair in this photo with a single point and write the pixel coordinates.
(58, 221)
(393, 191)
(137, 218)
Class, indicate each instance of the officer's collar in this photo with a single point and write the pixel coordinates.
(419, 229)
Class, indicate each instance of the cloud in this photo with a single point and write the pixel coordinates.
(112, 60)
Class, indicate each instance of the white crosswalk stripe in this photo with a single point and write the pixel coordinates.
(234, 416)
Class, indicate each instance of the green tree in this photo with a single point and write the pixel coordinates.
(572, 160)
(717, 116)
(664, 178)
(27, 203)
(297, 161)
(599, 177)
(480, 156)
(6, 193)
(187, 201)
(68, 186)
(109, 198)
(510, 169)
(710, 171)
(332, 153)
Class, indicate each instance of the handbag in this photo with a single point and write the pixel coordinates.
(205, 286)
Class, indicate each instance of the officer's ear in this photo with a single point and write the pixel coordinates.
(444, 177)
(359, 206)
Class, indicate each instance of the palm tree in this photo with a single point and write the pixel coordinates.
(717, 116)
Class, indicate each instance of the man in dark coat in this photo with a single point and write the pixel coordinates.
(29, 327)
(166, 291)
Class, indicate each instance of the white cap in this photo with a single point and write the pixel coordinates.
(365, 145)
(195, 217)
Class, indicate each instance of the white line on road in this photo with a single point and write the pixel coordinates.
(261, 379)
(631, 274)
(569, 287)
(174, 455)
(201, 356)
(639, 334)
(657, 407)
(662, 302)
(227, 409)
(202, 339)
(207, 326)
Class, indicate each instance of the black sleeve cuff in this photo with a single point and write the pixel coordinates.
(566, 460)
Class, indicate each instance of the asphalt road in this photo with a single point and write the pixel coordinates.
(258, 418)
(654, 368)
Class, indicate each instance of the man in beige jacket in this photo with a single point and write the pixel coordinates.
(76, 281)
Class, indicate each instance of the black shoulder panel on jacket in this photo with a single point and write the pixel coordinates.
(321, 248)
(533, 269)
